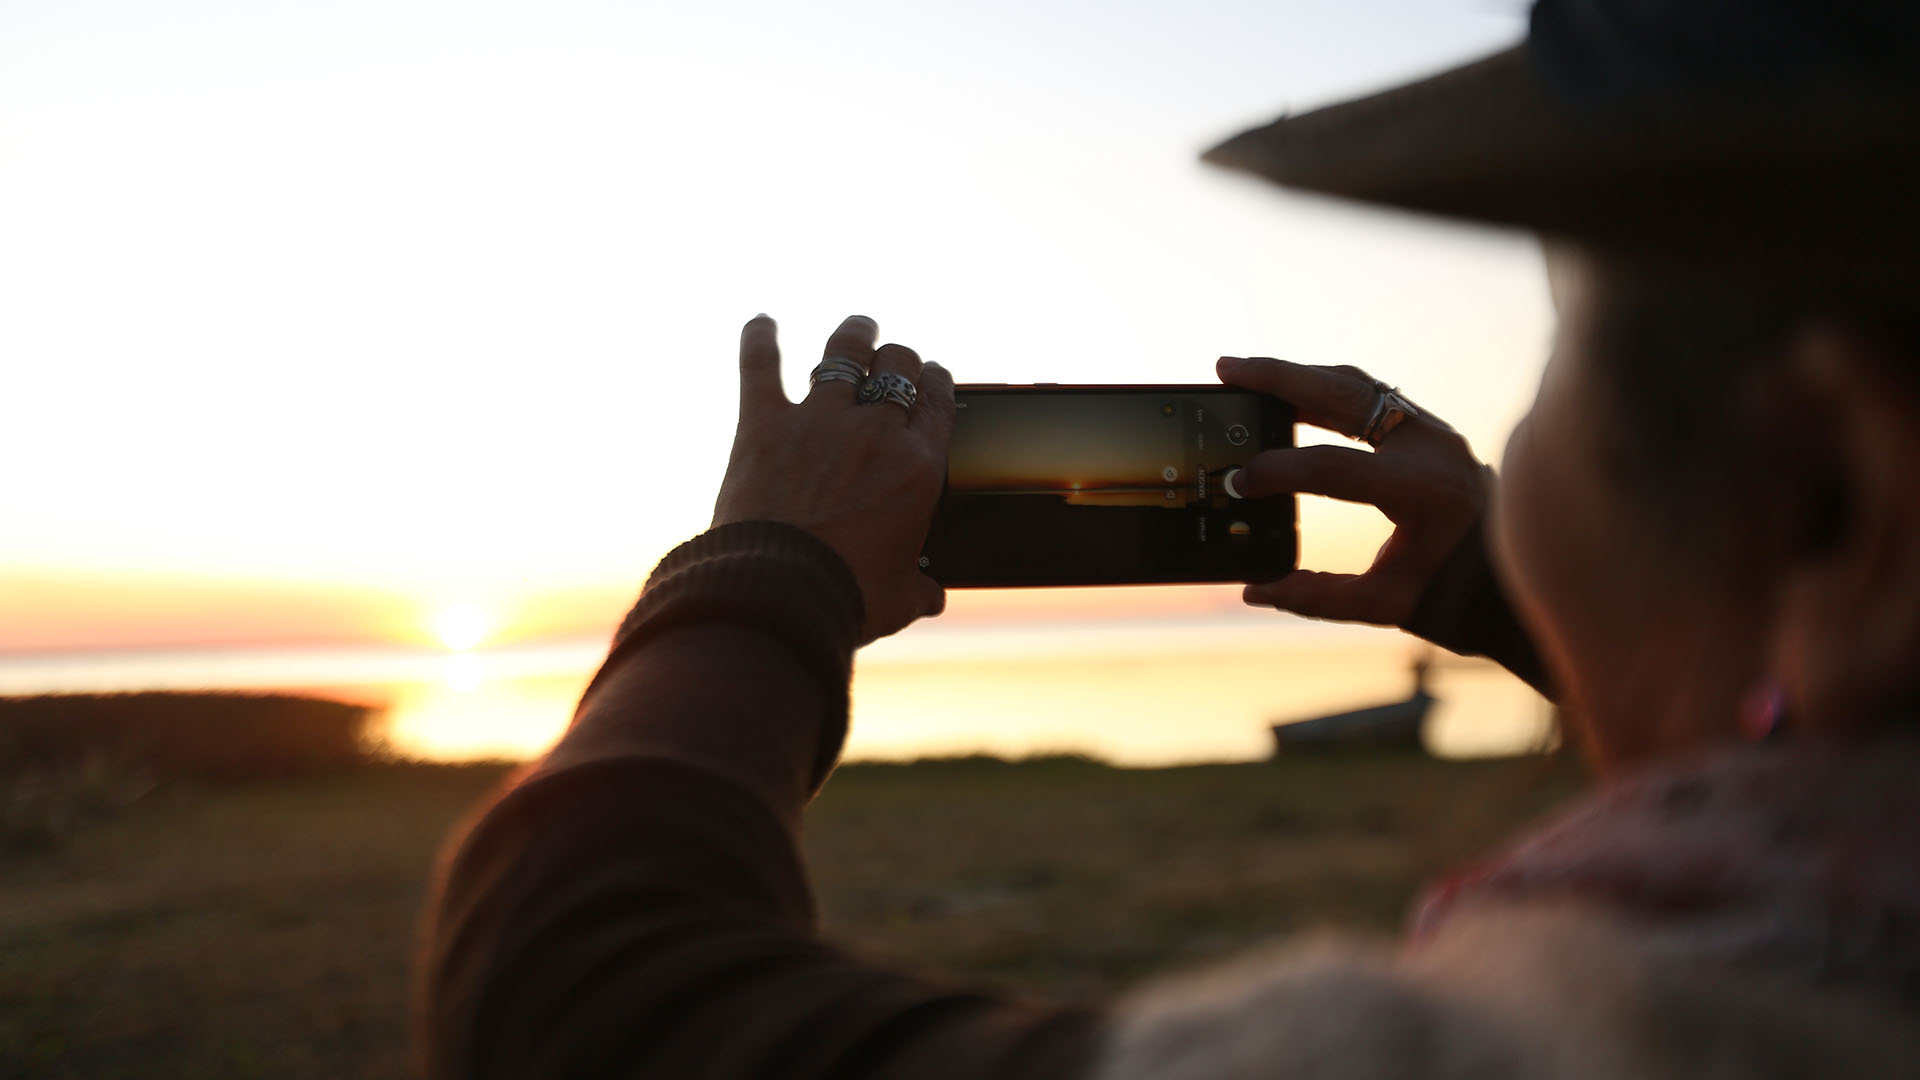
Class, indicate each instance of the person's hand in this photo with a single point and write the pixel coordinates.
(1421, 475)
(862, 477)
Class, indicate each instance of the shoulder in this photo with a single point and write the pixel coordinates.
(1536, 990)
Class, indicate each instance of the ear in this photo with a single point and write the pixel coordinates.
(1846, 643)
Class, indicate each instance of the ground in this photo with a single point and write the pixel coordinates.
(266, 929)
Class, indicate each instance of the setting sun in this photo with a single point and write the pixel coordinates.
(463, 672)
(462, 626)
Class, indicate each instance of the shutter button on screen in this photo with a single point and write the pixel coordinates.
(1231, 483)
(1237, 434)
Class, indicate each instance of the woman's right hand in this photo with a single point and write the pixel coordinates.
(864, 478)
(1421, 475)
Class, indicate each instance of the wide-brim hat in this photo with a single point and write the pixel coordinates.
(1770, 130)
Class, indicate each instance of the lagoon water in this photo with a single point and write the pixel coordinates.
(1194, 686)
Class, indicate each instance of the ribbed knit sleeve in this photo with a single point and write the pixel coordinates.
(765, 574)
(1465, 609)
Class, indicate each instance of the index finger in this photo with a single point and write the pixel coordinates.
(1336, 398)
(853, 340)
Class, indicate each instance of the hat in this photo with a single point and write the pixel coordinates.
(1765, 129)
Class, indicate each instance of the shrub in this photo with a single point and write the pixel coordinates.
(202, 736)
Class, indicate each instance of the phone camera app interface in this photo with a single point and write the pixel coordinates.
(1089, 485)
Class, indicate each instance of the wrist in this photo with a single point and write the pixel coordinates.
(769, 575)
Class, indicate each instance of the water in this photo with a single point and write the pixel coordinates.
(1191, 686)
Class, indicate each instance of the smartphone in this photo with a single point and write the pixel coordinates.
(1108, 485)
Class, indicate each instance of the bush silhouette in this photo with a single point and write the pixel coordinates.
(203, 736)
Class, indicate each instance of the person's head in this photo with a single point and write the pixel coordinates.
(1718, 489)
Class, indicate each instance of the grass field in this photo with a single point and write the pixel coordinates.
(265, 930)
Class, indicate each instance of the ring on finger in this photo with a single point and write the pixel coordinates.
(819, 377)
(1390, 411)
(838, 369)
(889, 386)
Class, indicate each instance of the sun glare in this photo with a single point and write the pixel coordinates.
(463, 672)
(462, 626)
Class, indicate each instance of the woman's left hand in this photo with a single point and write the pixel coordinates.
(1423, 477)
(862, 477)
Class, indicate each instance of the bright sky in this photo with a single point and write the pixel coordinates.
(362, 320)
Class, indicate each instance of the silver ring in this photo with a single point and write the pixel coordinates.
(838, 369)
(889, 386)
(1389, 412)
(819, 377)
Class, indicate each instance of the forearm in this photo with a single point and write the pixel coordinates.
(638, 904)
(736, 659)
(732, 700)
(666, 816)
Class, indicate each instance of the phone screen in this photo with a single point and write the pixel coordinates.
(1085, 485)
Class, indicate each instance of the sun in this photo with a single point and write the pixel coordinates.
(463, 672)
(462, 626)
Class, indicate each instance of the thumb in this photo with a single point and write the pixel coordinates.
(1318, 595)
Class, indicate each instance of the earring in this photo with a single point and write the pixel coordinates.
(1760, 711)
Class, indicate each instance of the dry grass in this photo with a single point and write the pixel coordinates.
(264, 930)
(260, 930)
(1073, 880)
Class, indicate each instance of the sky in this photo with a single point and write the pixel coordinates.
(414, 323)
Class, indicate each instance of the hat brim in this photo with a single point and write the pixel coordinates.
(1493, 142)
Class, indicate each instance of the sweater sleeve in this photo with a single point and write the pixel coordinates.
(1465, 609)
(637, 904)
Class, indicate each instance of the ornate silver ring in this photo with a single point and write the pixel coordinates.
(1389, 412)
(889, 386)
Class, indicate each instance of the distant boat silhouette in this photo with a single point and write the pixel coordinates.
(1394, 726)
